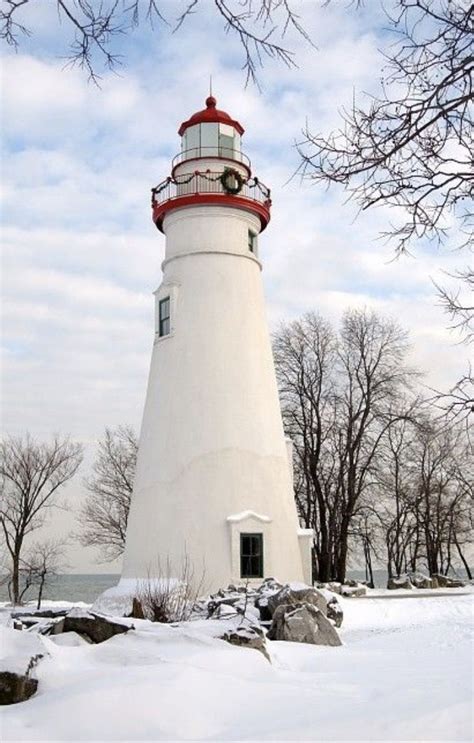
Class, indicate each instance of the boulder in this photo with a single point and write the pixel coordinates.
(334, 587)
(94, 626)
(223, 611)
(446, 581)
(270, 585)
(401, 581)
(261, 603)
(15, 687)
(353, 592)
(42, 613)
(247, 636)
(302, 623)
(16, 682)
(297, 593)
(334, 611)
(214, 603)
(420, 581)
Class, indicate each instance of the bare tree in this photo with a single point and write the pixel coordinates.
(445, 493)
(103, 517)
(31, 473)
(305, 356)
(395, 512)
(93, 27)
(339, 397)
(43, 562)
(410, 147)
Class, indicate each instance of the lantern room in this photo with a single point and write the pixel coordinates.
(211, 169)
(211, 133)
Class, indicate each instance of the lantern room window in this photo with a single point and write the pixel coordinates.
(164, 324)
(211, 139)
(251, 555)
(226, 140)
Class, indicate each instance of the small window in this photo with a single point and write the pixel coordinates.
(251, 555)
(164, 317)
(252, 238)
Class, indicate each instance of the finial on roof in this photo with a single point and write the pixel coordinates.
(211, 102)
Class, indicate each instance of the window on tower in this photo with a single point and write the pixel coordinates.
(252, 241)
(164, 325)
(251, 555)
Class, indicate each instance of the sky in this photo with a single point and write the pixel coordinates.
(82, 257)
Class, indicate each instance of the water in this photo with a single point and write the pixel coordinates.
(86, 587)
(68, 587)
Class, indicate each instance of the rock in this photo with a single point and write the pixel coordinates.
(420, 581)
(297, 593)
(223, 611)
(353, 592)
(334, 611)
(247, 636)
(302, 623)
(15, 687)
(446, 581)
(261, 603)
(43, 613)
(214, 603)
(94, 626)
(246, 608)
(334, 587)
(401, 581)
(270, 585)
(16, 682)
(43, 626)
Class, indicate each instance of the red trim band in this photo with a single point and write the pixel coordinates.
(262, 210)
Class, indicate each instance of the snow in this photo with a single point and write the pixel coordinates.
(235, 517)
(69, 639)
(403, 673)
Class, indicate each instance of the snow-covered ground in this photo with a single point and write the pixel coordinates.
(404, 673)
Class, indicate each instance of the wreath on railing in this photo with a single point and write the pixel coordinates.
(229, 176)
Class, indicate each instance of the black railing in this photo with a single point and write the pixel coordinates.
(225, 153)
(208, 182)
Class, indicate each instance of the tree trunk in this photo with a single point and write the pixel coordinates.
(463, 559)
(16, 578)
(40, 592)
(342, 555)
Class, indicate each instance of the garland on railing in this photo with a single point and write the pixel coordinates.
(224, 178)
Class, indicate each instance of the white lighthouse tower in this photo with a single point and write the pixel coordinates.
(213, 479)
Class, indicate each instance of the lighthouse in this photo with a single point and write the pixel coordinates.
(213, 482)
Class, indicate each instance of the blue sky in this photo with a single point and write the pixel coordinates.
(82, 256)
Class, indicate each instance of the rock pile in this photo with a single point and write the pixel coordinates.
(419, 580)
(293, 612)
(93, 627)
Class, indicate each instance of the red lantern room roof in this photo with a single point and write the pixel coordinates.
(210, 114)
